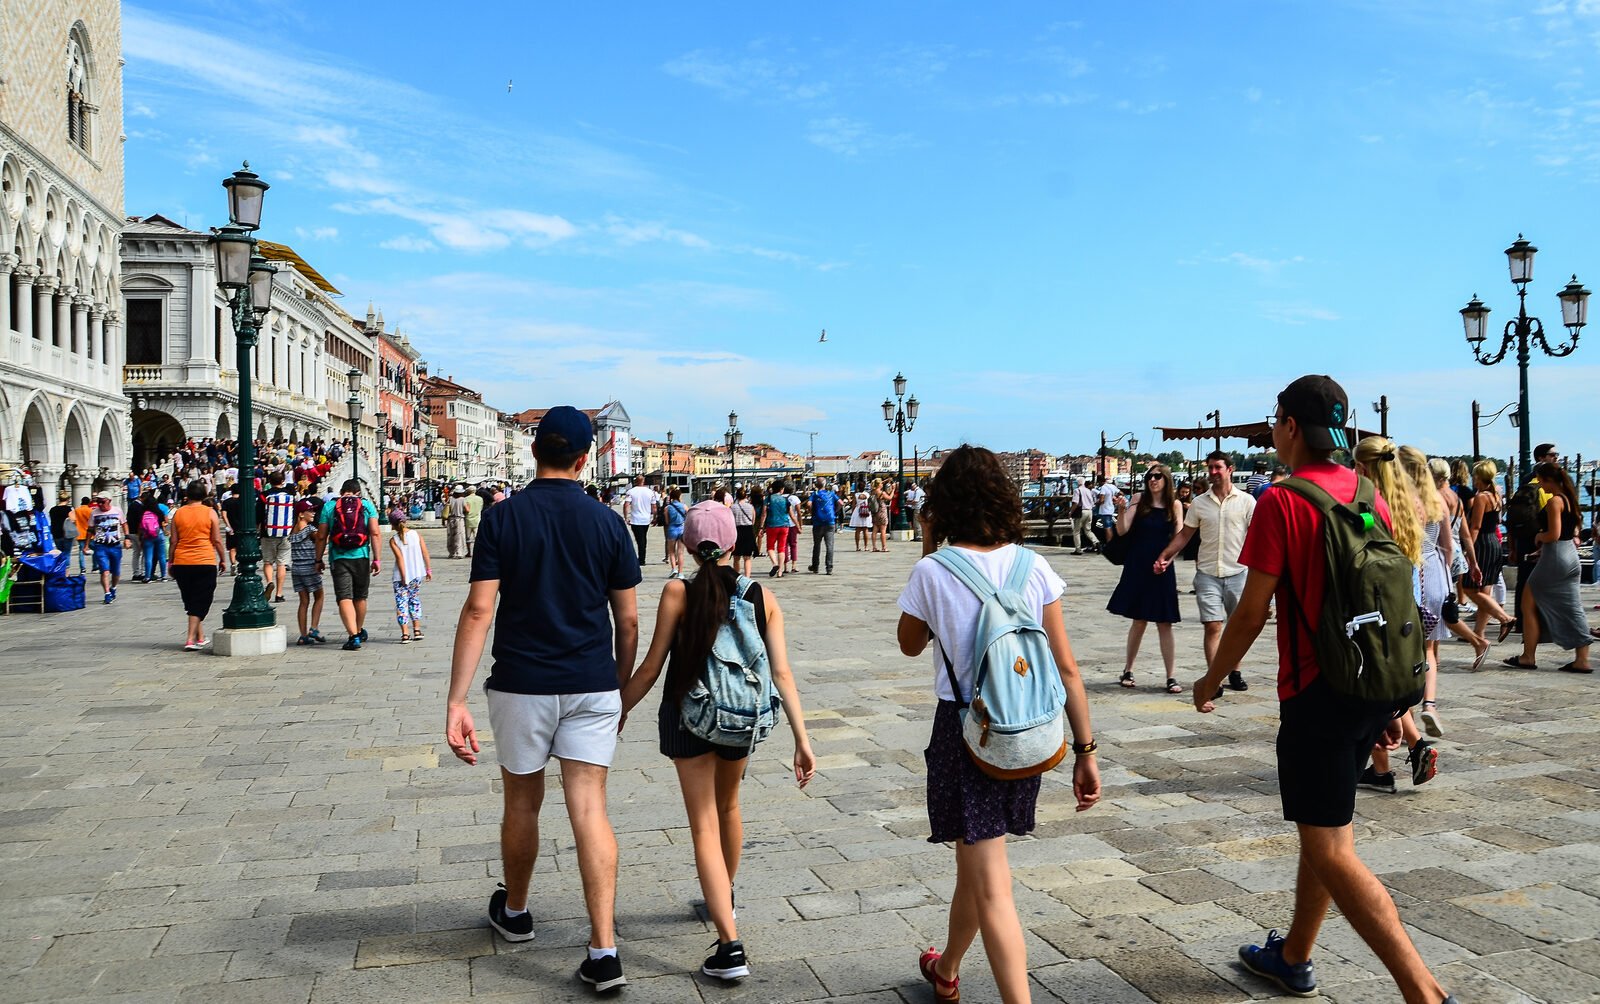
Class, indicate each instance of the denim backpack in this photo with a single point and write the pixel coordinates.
(734, 703)
(1013, 724)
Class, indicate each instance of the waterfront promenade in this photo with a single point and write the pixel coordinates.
(179, 827)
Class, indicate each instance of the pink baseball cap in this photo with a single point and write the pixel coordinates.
(707, 527)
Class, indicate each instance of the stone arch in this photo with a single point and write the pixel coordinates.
(277, 433)
(54, 225)
(7, 434)
(38, 431)
(106, 453)
(11, 191)
(32, 203)
(224, 427)
(75, 439)
(261, 430)
(155, 435)
(81, 96)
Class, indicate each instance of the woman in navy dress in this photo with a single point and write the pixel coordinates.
(1142, 595)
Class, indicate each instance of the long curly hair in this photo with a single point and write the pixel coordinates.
(972, 500)
(1415, 463)
(1379, 461)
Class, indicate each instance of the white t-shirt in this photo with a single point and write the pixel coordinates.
(936, 597)
(641, 500)
(1107, 494)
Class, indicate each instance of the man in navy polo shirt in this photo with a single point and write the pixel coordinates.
(565, 570)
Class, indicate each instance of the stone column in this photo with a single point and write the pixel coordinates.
(80, 325)
(97, 332)
(8, 265)
(63, 328)
(112, 349)
(23, 277)
(44, 286)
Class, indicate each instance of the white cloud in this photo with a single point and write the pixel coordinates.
(746, 76)
(628, 233)
(317, 233)
(408, 242)
(849, 137)
(472, 230)
(1296, 313)
(1248, 262)
(140, 110)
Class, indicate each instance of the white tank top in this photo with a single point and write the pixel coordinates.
(411, 551)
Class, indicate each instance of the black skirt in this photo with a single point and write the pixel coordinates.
(678, 743)
(744, 542)
(964, 803)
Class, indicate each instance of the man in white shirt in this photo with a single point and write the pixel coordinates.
(1108, 499)
(1083, 504)
(1222, 516)
(639, 511)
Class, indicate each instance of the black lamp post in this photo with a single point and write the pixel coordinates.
(669, 458)
(734, 437)
(901, 415)
(1381, 408)
(1133, 445)
(1478, 424)
(353, 406)
(1523, 331)
(247, 279)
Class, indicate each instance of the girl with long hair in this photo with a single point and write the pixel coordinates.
(878, 508)
(1142, 595)
(973, 505)
(744, 525)
(1552, 608)
(861, 515)
(687, 621)
(1486, 556)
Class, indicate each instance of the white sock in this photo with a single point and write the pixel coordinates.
(600, 953)
(509, 913)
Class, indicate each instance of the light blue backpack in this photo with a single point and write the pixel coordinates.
(734, 703)
(1013, 723)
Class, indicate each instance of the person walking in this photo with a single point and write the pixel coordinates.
(796, 517)
(81, 516)
(305, 572)
(109, 532)
(1144, 595)
(1324, 737)
(878, 509)
(1486, 556)
(278, 525)
(412, 567)
(347, 531)
(455, 523)
(1520, 533)
(1221, 519)
(914, 495)
(153, 516)
(861, 515)
(198, 555)
(690, 615)
(973, 507)
(673, 513)
(824, 523)
(1553, 609)
(744, 528)
(777, 522)
(474, 517)
(63, 528)
(1082, 513)
(564, 572)
(639, 511)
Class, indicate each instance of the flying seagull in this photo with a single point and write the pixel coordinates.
(508, 86)
(824, 335)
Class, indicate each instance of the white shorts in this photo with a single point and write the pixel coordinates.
(1217, 597)
(529, 729)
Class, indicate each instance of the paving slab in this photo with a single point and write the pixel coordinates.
(178, 827)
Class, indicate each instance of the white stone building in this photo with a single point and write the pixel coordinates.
(181, 369)
(62, 412)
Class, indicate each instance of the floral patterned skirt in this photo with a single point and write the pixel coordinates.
(964, 803)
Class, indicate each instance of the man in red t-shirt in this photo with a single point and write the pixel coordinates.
(1324, 738)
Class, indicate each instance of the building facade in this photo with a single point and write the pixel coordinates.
(476, 446)
(399, 406)
(62, 412)
(181, 358)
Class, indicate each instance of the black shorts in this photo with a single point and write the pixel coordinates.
(351, 578)
(678, 743)
(1324, 741)
(744, 542)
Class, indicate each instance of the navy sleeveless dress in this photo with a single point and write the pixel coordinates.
(1142, 595)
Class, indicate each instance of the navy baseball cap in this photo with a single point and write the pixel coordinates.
(570, 424)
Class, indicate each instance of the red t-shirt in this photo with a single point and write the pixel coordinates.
(1286, 534)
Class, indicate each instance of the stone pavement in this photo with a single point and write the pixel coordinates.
(178, 827)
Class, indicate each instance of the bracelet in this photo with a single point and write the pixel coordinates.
(1084, 749)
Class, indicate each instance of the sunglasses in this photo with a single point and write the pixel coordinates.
(1155, 477)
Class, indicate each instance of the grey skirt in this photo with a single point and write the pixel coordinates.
(1553, 586)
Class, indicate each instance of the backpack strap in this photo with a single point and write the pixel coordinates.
(1021, 568)
(961, 567)
(750, 591)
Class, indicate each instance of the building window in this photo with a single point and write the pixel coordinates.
(143, 324)
(79, 90)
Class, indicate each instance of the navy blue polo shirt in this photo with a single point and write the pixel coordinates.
(558, 555)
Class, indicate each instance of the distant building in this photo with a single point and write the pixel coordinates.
(470, 427)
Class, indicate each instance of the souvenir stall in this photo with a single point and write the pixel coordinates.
(33, 573)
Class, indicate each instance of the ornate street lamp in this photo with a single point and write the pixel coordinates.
(1478, 424)
(247, 280)
(1133, 446)
(900, 415)
(1524, 331)
(353, 407)
(668, 477)
(735, 437)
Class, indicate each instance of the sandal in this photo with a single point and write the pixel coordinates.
(1126, 679)
(1173, 687)
(1515, 662)
(1477, 662)
(929, 959)
(1575, 668)
(1506, 627)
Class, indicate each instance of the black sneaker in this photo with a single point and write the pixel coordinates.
(1373, 781)
(510, 928)
(1424, 761)
(603, 974)
(1236, 681)
(1267, 961)
(727, 961)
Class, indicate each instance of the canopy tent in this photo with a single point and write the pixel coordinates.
(1256, 434)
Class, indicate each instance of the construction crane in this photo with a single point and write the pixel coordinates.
(811, 449)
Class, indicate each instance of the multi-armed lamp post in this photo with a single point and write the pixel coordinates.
(900, 415)
(734, 437)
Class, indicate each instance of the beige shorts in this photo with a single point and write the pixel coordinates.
(529, 729)
(274, 550)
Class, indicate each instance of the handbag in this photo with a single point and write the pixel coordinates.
(1114, 546)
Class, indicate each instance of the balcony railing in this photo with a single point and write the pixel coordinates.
(141, 374)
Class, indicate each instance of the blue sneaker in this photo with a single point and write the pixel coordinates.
(353, 645)
(107, 600)
(1267, 961)
(113, 593)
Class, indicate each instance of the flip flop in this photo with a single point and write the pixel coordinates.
(1126, 680)
(1477, 663)
(1574, 668)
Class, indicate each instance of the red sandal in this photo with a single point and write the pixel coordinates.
(940, 985)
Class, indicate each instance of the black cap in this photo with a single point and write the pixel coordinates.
(1319, 406)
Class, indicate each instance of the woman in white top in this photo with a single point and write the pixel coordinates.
(861, 515)
(411, 567)
(974, 506)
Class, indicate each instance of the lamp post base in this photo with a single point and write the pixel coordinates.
(233, 642)
(905, 534)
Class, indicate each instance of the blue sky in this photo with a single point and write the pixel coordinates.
(1055, 218)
